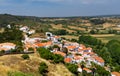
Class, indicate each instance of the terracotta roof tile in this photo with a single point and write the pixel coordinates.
(116, 73)
(61, 53)
(86, 69)
(44, 44)
(78, 57)
(99, 59)
(71, 47)
(67, 60)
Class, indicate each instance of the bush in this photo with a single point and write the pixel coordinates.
(43, 68)
(97, 21)
(25, 56)
(30, 49)
(46, 54)
(61, 32)
(56, 46)
(72, 68)
(2, 51)
(43, 41)
(13, 50)
(58, 59)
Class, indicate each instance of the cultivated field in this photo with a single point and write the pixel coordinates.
(104, 37)
(107, 37)
(60, 26)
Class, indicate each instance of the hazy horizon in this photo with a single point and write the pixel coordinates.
(60, 8)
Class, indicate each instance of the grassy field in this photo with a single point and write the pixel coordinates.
(14, 63)
(1, 30)
(107, 37)
(59, 26)
(76, 28)
(104, 37)
(70, 37)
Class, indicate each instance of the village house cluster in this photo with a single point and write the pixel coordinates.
(77, 53)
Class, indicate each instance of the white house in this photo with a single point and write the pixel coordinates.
(49, 35)
(79, 69)
(24, 29)
(9, 26)
(31, 32)
(7, 46)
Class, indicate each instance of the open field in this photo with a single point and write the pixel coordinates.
(1, 30)
(76, 28)
(59, 26)
(104, 37)
(70, 37)
(13, 63)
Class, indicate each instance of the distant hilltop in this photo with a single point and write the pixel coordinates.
(31, 17)
(8, 18)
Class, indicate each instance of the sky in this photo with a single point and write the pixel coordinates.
(60, 8)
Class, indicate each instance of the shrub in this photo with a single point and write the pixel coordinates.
(25, 56)
(30, 49)
(58, 59)
(2, 51)
(72, 68)
(13, 50)
(43, 41)
(61, 32)
(43, 68)
(46, 54)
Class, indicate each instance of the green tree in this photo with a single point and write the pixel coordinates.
(89, 40)
(92, 32)
(101, 71)
(97, 21)
(114, 49)
(60, 32)
(45, 53)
